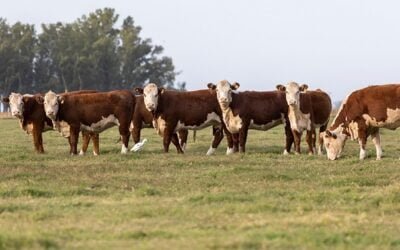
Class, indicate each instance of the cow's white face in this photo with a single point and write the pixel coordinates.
(224, 92)
(51, 104)
(293, 94)
(150, 95)
(16, 105)
(334, 144)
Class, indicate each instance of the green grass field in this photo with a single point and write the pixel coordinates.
(151, 200)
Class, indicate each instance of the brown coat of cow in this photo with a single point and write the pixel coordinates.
(311, 111)
(35, 122)
(252, 110)
(96, 112)
(190, 110)
(142, 117)
(362, 114)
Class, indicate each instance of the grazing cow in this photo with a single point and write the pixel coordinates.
(33, 120)
(143, 118)
(174, 110)
(308, 110)
(362, 114)
(242, 111)
(92, 112)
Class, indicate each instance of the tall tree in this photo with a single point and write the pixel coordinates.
(89, 53)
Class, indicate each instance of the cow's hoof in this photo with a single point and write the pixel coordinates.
(211, 151)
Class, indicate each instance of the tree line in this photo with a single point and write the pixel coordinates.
(89, 53)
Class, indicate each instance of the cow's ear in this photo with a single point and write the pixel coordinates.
(280, 87)
(235, 86)
(60, 99)
(330, 134)
(6, 100)
(211, 86)
(303, 88)
(139, 91)
(39, 99)
(161, 90)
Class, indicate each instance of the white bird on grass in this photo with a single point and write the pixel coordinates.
(138, 146)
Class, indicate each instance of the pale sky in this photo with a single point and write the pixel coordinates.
(337, 45)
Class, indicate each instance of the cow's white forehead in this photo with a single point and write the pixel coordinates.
(50, 96)
(15, 98)
(223, 85)
(150, 88)
(292, 86)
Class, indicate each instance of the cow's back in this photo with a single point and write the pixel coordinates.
(258, 105)
(88, 108)
(190, 106)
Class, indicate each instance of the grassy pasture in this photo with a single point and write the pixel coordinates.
(151, 200)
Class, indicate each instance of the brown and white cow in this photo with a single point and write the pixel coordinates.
(33, 120)
(308, 110)
(362, 114)
(92, 112)
(242, 111)
(174, 110)
(142, 118)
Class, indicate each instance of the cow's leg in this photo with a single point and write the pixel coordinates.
(243, 138)
(37, 139)
(175, 141)
(74, 137)
(289, 138)
(362, 141)
(85, 142)
(231, 139)
(218, 135)
(167, 139)
(321, 140)
(96, 141)
(137, 128)
(183, 135)
(124, 133)
(376, 139)
(297, 140)
(310, 135)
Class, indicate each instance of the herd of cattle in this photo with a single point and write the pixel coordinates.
(229, 112)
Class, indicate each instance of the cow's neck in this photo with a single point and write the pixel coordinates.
(340, 122)
(232, 122)
(298, 120)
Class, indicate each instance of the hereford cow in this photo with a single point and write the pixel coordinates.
(33, 120)
(174, 110)
(251, 110)
(362, 114)
(143, 118)
(92, 112)
(308, 110)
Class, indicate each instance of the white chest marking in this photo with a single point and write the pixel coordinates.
(159, 125)
(392, 121)
(100, 126)
(298, 120)
(233, 123)
(212, 119)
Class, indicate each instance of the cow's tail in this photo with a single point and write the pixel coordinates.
(194, 135)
